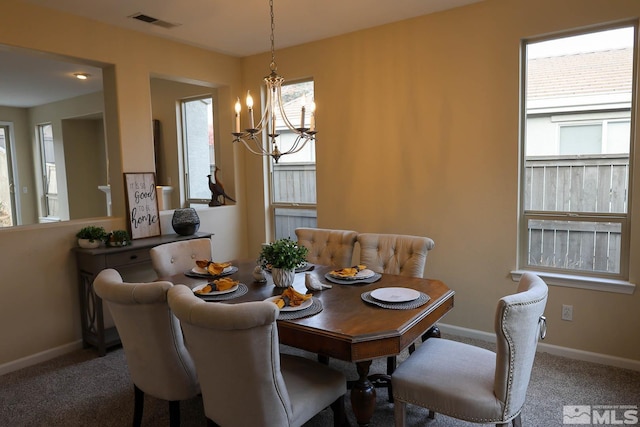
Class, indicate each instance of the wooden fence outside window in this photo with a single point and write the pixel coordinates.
(585, 184)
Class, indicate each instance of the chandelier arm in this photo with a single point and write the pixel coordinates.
(294, 146)
(282, 113)
(261, 152)
(305, 139)
(262, 124)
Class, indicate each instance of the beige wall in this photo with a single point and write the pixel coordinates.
(418, 134)
(85, 159)
(39, 287)
(75, 153)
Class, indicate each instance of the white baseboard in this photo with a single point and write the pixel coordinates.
(570, 353)
(39, 357)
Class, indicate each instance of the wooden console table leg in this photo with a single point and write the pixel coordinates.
(363, 395)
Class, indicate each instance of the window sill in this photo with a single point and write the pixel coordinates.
(581, 282)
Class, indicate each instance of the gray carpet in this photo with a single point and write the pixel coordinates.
(81, 389)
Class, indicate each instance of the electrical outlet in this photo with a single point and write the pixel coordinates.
(567, 312)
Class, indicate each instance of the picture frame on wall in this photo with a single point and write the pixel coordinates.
(143, 217)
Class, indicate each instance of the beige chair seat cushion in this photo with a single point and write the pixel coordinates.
(461, 379)
(299, 374)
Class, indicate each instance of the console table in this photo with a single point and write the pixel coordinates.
(90, 262)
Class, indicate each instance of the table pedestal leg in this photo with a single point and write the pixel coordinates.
(363, 395)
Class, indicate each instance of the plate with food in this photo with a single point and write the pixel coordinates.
(281, 303)
(394, 294)
(357, 272)
(205, 268)
(217, 287)
(291, 300)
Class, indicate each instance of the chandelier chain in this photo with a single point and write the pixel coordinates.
(273, 65)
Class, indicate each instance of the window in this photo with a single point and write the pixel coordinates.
(49, 177)
(199, 153)
(575, 165)
(7, 200)
(293, 178)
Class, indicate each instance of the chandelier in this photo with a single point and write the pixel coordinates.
(251, 136)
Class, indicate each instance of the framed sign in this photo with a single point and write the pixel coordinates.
(142, 204)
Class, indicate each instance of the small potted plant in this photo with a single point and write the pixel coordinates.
(118, 238)
(282, 257)
(90, 236)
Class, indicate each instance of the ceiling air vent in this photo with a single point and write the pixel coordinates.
(154, 21)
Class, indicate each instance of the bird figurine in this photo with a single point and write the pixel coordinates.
(313, 284)
(218, 195)
(258, 274)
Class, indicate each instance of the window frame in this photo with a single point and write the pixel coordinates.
(46, 204)
(13, 184)
(603, 281)
(185, 148)
(305, 208)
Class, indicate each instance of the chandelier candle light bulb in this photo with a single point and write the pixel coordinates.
(238, 109)
(312, 119)
(250, 107)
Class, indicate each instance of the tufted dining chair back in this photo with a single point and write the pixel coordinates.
(394, 253)
(472, 383)
(177, 257)
(328, 247)
(158, 361)
(245, 380)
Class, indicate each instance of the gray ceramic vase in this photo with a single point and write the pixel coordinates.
(185, 221)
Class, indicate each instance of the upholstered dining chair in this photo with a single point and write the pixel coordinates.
(172, 258)
(327, 246)
(400, 254)
(245, 380)
(158, 361)
(395, 253)
(471, 383)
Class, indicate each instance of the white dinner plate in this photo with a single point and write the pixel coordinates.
(226, 291)
(200, 270)
(395, 294)
(360, 275)
(302, 306)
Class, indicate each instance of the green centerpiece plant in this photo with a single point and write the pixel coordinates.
(91, 236)
(282, 257)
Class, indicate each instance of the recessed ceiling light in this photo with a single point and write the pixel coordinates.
(82, 76)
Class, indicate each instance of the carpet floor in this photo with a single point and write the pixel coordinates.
(81, 389)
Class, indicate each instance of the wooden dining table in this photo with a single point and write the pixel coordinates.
(347, 328)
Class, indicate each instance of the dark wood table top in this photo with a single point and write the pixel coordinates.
(347, 328)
